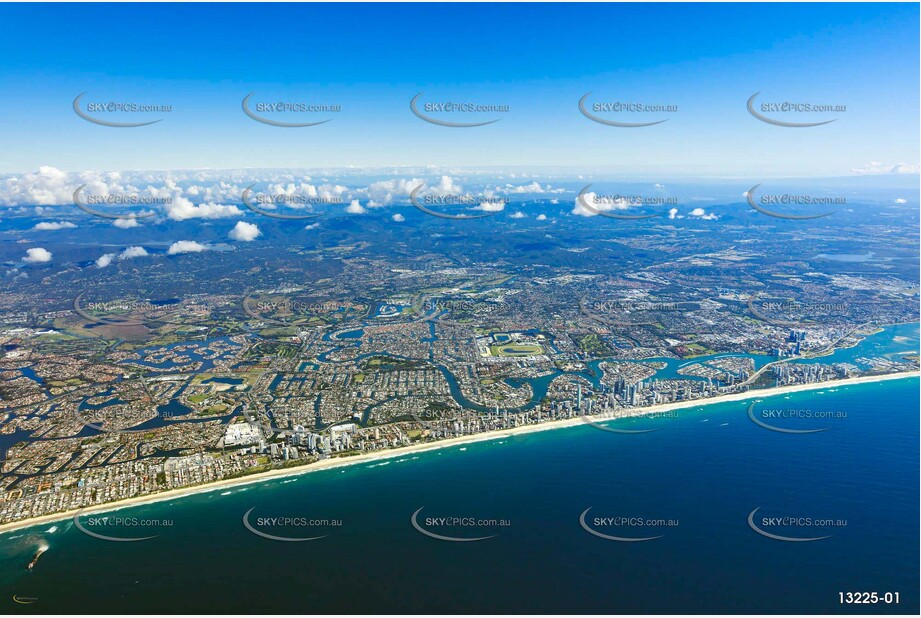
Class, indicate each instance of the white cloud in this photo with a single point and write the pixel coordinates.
(541, 217)
(398, 218)
(186, 246)
(50, 186)
(491, 206)
(181, 208)
(331, 192)
(602, 203)
(878, 167)
(105, 259)
(901, 200)
(534, 187)
(518, 215)
(447, 186)
(37, 255)
(311, 226)
(355, 208)
(125, 223)
(132, 252)
(47, 187)
(54, 225)
(245, 232)
(384, 192)
(672, 213)
(702, 214)
(290, 190)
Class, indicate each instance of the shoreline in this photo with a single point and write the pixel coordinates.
(332, 463)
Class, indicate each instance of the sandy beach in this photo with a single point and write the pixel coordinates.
(328, 464)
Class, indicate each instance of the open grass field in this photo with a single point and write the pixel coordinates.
(516, 349)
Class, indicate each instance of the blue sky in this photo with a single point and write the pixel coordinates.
(537, 59)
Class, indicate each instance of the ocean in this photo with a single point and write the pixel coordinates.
(690, 487)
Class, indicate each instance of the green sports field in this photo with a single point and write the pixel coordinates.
(516, 349)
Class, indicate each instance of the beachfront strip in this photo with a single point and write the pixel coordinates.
(296, 451)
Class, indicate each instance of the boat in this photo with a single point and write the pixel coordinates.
(41, 550)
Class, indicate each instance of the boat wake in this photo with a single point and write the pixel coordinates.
(41, 550)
